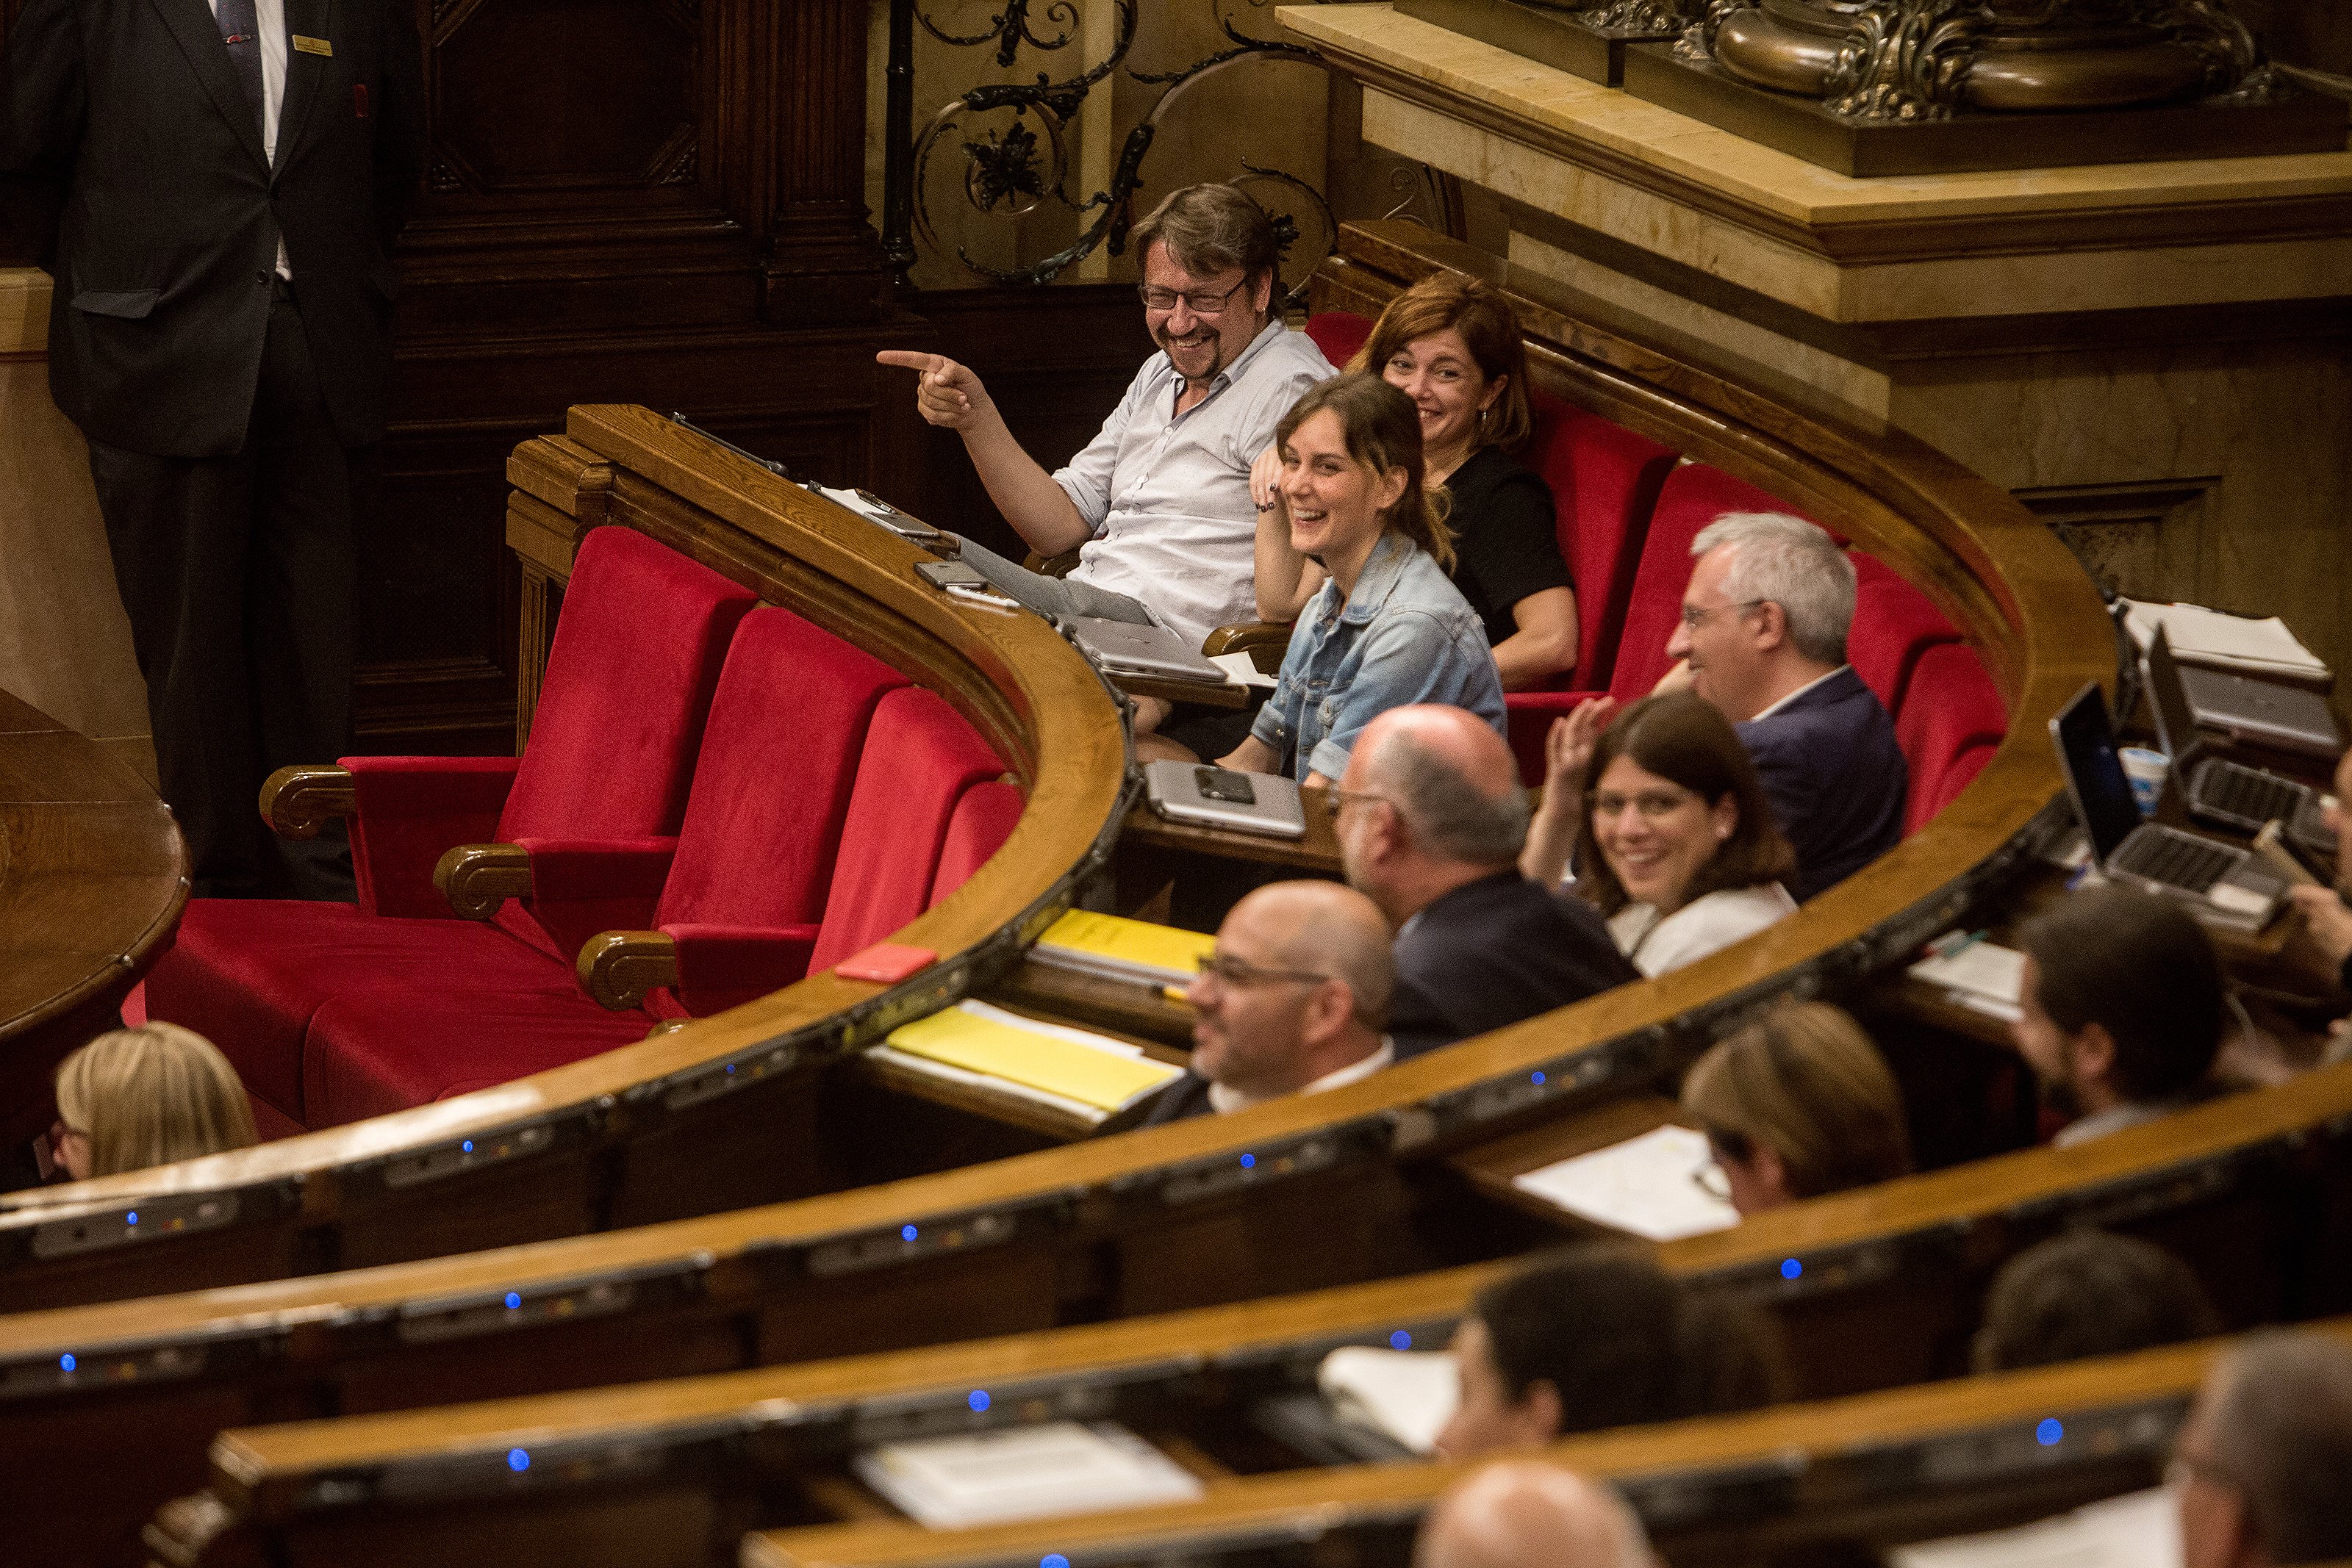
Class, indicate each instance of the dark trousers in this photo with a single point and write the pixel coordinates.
(239, 575)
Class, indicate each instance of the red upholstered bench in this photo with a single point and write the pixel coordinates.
(1339, 333)
(1894, 623)
(1951, 720)
(637, 651)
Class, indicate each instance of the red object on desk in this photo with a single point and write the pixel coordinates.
(886, 962)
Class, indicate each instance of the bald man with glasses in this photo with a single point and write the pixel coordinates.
(1293, 1000)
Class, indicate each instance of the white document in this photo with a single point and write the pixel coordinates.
(2203, 636)
(1024, 1472)
(1982, 975)
(2138, 1531)
(1242, 669)
(1643, 1186)
(1408, 1395)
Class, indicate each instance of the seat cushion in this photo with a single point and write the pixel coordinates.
(1894, 623)
(920, 759)
(983, 819)
(250, 974)
(1951, 707)
(1339, 334)
(1694, 495)
(1605, 481)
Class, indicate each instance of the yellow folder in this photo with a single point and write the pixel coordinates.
(1172, 954)
(1080, 1072)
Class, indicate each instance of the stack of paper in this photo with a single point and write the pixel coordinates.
(2140, 1531)
(1641, 1185)
(1409, 1394)
(1026, 1472)
(1120, 949)
(1981, 976)
(2203, 636)
(1242, 669)
(1090, 1075)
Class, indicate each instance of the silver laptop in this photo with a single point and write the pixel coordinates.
(2246, 708)
(1122, 647)
(2225, 885)
(2229, 794)
(1222, 797)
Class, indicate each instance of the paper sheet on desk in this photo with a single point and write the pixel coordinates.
(1240, 667)
(1641, 1185)
(1025, 1472)
(1409, 1394)
(2203, 636)
(2139, 1530)
(1982, 976)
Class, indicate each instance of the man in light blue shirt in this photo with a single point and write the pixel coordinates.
(1158, 505)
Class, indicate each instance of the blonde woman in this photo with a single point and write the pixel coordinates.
(147, 1096)
(1797, 1105)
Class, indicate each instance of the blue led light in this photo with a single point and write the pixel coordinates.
(1790, 1269)
(2049, 1432)
(977, 1399)
(514, 1300)
(517, 1461)
(731, 1069)
(1249, 1162)
(1399, 1340)
(1053, 1560)
(66, 1362)
(1537, 1079)
(466, 1147)
(131, 1218)
(905, 1233)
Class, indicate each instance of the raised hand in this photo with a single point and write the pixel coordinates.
(946, 393)
(1568, 750)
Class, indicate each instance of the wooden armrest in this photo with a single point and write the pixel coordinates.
(619, 968)
(298, 801)
(1060, 565)
(1264, 641)
(477, 878)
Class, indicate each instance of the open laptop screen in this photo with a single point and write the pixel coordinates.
(2094, 774)
(2176, 725)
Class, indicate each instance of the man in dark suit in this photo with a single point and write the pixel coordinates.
(1292, 1001)
(1431, 820)
(213, 186)
(1763, 638)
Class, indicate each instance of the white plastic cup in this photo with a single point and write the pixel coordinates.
(2145, 770)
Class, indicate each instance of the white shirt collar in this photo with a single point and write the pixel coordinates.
(1800, 690)
(1223, 1101)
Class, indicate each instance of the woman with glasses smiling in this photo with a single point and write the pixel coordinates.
(1674, 843)
(1797, 1105)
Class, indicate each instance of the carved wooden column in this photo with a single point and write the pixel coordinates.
(823, 261)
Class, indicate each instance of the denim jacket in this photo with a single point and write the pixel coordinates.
(1405, 635)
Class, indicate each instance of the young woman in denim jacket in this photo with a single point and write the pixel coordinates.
(1388, 627)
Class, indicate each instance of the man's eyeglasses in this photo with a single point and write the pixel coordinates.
(1694, 617)
(1231, 971)
(1201, 302)
(1337, 796)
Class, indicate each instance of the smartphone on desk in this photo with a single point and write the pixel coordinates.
(1222, 797)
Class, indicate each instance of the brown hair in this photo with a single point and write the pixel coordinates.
(1210, 228)
(1382, 431)
(1489, 328)
(1683, 739)
(1806, 1082)
(150, 1095)
(2140, 966)
(2089, 1292)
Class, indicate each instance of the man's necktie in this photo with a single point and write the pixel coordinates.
(241, 31)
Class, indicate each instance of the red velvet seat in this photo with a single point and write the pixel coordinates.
(1694, 495)
(1894, 623)
(983, 821)
(1339, 333)
(1604, 482)
(1951, 718)
(637, 651)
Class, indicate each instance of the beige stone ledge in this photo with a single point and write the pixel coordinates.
(1608, 123)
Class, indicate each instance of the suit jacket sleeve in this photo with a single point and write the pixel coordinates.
(399, 124)
(44, 102)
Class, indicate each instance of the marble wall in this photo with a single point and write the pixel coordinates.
(65, 644)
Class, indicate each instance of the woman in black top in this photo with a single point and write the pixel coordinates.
(1453, 346)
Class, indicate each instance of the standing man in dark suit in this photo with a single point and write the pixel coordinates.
(213, 186)
(1763, 638)
(1432, 822)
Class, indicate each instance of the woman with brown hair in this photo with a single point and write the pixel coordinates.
(147, 1096)
(1453, 346)
(1674, 842)
(1387, 628)
(1797, 1105)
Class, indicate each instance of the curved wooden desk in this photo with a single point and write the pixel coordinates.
(93, 874)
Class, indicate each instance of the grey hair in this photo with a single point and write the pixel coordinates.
(2281, 1429)
(1791, 563)
(1444, 813)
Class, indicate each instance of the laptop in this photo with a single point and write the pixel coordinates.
(2229, 794)
(2248, 709)
(1222, 797)
(2225, 885)
(1124, 648)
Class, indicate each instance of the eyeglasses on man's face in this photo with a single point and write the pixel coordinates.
(1206, 303)
(1336, 798)
(1239, 972)
(1695, 616)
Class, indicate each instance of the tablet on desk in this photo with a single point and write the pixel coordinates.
(1224, 798)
